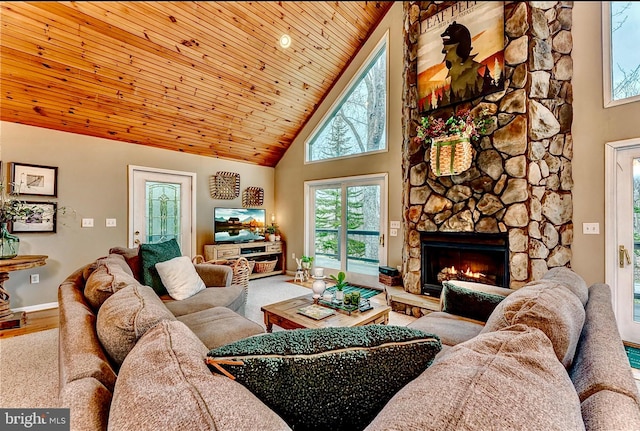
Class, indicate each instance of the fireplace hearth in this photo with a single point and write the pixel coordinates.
(463, 256)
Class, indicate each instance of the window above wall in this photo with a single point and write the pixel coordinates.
(356, 124)
(621, 56)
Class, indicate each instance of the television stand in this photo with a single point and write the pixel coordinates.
(266, 250)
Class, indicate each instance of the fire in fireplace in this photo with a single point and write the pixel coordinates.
(465, 256)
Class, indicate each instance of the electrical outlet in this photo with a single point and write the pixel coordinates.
(591, 228)
(293, 256)
(110, 222)
(393, 232)
(395, 225)
(87, 222)
(35, 278)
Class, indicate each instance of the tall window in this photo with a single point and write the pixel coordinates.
(621, 32)
(357, 123)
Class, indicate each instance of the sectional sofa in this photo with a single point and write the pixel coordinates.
(548, 357)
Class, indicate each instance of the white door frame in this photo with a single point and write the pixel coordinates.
(191, 175)
(612, 270)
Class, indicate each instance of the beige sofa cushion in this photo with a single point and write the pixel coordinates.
(111, 275)
(602, 411)
(171, 387)
(548, 306)
(508, 379)
(126, 316)
(232, 297)
(218, 326)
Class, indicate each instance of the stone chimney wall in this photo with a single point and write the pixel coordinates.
(520, 181)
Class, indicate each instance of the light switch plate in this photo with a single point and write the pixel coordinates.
(591, 228)
(110, 222)
(87, 222)
(395, 225)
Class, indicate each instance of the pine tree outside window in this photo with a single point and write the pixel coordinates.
(357, 124)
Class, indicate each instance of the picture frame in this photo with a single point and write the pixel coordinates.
(44, 223)
(460, 54)
(35, 180)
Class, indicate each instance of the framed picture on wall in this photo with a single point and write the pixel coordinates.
(460, 54)
(43, 219)
(34, 179)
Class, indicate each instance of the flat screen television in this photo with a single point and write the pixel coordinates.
(238, 224)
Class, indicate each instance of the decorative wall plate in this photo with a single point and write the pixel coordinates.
(252, 197)
(224, 185)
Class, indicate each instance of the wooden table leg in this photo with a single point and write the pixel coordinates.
(5, 308)
(267, 321)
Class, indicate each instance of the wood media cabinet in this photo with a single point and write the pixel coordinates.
(257, 251)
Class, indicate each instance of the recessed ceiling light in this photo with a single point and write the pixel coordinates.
(285, 41)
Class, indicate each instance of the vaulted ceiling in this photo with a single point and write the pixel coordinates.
(206, 78)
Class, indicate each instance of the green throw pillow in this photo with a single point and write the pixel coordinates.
(329, 378)
(470, 303)
(150, 254)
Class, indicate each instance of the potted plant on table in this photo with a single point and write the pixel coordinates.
(271, 232)
(451, 151)
(341, 283)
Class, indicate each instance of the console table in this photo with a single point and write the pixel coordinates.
(8, 319)
(267, 250)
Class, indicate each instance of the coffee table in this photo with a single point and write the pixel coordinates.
(285, 314)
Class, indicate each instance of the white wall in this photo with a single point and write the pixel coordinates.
(92, 180)
(593, 126)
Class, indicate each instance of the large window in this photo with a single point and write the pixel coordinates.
(357, 123)
(621, 33)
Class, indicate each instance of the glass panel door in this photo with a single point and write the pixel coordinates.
(162, 207)
(347, 222)
(622, 240)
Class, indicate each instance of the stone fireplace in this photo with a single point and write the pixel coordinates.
(463, 256)
(519, 184)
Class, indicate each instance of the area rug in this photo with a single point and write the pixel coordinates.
(634, 356)
(29, 370)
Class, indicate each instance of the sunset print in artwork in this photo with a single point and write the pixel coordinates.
(460, 54)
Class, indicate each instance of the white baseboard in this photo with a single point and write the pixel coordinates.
(39, 307)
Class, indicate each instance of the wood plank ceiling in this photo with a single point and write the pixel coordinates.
(206, 78)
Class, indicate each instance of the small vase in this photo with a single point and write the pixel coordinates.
(318, 287)
(9, 244)
(339, 295)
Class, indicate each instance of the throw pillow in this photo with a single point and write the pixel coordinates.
(132, 257)
(548, 306)
(150, 254)
(105, 280)
(329, 378)
(125, 317)
(165, 376)
(504, 380)
(180, 278)
(466, 302)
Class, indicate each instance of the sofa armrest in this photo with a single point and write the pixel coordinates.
(215, 275)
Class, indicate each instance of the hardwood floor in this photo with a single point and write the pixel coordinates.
(36, 321)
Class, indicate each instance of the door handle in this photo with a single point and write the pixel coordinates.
(623, 255)
(381, 240)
